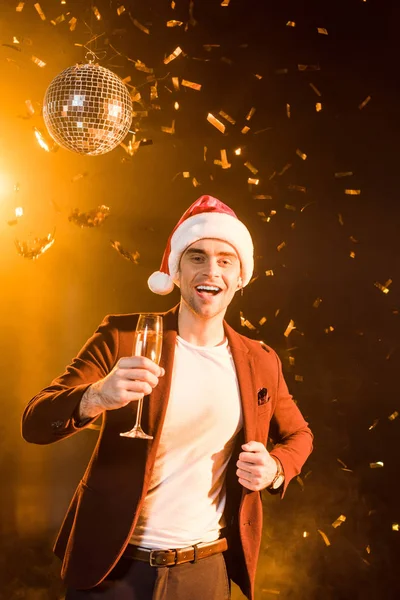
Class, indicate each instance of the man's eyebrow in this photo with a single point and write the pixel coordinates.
(200, 251)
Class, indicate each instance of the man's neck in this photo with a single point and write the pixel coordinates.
(200, 331)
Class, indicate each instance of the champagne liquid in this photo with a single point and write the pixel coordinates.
(148, 343)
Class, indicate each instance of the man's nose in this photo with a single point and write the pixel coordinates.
(212, 268)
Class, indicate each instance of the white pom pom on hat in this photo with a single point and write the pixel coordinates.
(208, 217)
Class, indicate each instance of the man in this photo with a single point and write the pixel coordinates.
(177, 517)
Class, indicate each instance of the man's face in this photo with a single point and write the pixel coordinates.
(215, 265)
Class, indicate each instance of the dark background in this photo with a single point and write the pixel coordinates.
(345, 380)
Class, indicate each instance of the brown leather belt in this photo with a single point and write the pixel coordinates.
(168, 558)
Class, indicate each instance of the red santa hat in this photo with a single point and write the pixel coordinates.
(206, 218)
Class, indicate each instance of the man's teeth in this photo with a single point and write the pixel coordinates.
(208, 288)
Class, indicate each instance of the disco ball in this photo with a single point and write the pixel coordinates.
(87, 109)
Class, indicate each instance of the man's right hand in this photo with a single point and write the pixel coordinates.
(131, 378)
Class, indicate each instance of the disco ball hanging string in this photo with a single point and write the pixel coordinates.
(87, 108)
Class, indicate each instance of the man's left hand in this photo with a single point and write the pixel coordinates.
(256, 468)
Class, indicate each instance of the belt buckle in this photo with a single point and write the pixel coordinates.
(153, 559)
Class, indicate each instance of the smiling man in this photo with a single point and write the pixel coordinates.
(177, 517)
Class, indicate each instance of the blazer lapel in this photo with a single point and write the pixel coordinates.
(244, 364)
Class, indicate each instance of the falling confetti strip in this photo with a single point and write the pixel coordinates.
(376, 465)
(324, 537)
(177, 52)
(40, 11)
(217, 124)
(289, 328)
(92, 218)
(131, 256)
(339, 521)
(35, 249)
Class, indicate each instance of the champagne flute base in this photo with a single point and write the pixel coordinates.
(137, 432)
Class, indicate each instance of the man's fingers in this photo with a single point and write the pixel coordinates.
(140, 362)
(139, 387)
(137, 375)
(254, 458)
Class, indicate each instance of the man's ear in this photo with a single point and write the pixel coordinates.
(240, 283)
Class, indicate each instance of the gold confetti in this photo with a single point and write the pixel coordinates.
(38, 62)
(270, 591)
(376, 465)
(391, 417)
(291, 24)
(245, 323)
(322, 30)
(352, 254)
(191, 84)
(281, 246)
(318, 106)
(277, 312)
(174, 23)
(39, 11)
(58, 20)
(131, 256)
(170, 130)
(195, 182)
(381, 287)
(172, 56)
(19, 211)
(324, 537)
(341, 174)
(258, 76)
(35, 249)
(281, 71)
(96, 13)
(291, 361)
(329, 329)
(120, 10)
(173, 4)
(250, 113)
(92, 218)
(289, 328)
(301, 154)
(340, 219)
(140, 66)
(342, 463)
(269, 273)
(72, 23)
(29, 107)
(297, 188)
(225, 115)
(253, 181)
(217, 124)
(290, 207)
(308, 67)
(395, 527)
(288, 111)
(141, 27)
(176, 105)
(251, 167)
(352, 192)
(154, 92)
(175, 82)
(298, 378)
(305, 534)
(368, 549)
(262, 320)
(374, 424)
(20, 6)
(224, 160)
(42, 140)
(238, 151)
(245, 130)
(262, 197)
(364, 102)
(225, 2)
(317, 302)
(339, 521)
(315, 89)
(79, 176)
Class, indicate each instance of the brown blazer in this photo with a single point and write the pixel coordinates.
(108, 499)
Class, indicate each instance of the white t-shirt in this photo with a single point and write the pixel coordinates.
(186, 498)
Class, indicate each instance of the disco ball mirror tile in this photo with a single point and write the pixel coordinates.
(87, 109)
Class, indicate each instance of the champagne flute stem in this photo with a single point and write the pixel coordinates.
(139, 413)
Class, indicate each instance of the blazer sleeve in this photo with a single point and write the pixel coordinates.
(293, 440)
(49, 416)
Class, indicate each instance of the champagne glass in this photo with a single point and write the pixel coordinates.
(147, 342)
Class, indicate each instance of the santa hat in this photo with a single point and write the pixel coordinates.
(206, 218)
